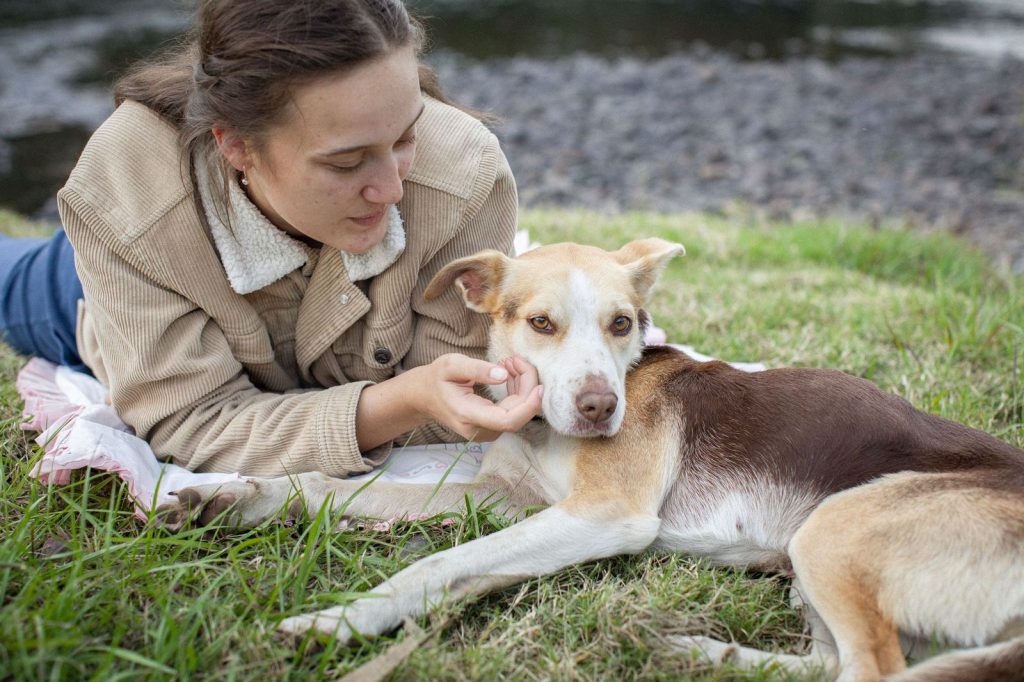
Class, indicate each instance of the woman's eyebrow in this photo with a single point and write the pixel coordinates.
(360, 147)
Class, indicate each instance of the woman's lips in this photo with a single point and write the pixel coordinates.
(370, 220)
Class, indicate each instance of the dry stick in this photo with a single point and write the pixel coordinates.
(384, 664)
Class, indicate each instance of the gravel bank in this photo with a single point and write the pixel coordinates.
(931, 141)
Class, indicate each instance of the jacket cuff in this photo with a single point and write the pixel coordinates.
(336, 433)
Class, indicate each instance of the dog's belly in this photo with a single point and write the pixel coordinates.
(739, 523)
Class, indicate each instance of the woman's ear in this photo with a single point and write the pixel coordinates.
(234, 147)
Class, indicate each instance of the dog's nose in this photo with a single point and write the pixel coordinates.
(596, 405)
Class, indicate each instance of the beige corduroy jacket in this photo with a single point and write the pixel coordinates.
(267, 383)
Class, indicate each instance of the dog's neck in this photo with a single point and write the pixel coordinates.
(535, 432)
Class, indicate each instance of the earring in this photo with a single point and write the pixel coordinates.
(244, 180)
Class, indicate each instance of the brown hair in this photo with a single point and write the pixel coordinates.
(238, 66)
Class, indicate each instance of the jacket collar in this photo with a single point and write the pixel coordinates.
(255, 253)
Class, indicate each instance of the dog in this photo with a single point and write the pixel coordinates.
(891, 520)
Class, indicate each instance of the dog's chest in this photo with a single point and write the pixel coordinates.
(553, 464)
(536, 457)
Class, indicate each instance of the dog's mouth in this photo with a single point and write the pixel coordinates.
(565, 415)
(582, 428)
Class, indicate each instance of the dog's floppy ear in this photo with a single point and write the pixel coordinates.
(478, 277)
(646, 259)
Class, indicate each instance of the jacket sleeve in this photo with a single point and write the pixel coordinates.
(174, 379)
(445, 325)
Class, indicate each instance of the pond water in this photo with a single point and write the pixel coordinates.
(58, 57)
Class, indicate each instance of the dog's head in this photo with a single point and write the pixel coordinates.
(575, 312)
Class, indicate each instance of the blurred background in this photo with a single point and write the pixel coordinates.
(891, 111)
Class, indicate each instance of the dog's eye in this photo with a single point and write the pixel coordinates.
(621, 325)
(542, 324)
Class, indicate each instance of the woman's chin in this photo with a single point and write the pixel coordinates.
(357, 248)
(359, 242)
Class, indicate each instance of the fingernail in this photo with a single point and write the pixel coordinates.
(499, 374)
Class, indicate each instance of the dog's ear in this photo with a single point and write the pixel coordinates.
(646, 259)
(478, 277)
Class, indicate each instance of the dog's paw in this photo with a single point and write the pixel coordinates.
(342, 623)
(364, 617)
(321, 621)
(238, 504)
(705, 649)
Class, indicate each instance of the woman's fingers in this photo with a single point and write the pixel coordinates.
(473, 416)
(462, 369)
(523, 376)
(509, 415)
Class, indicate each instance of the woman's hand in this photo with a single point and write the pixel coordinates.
(448, 396)
(443, 392)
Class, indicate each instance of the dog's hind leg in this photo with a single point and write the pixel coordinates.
(834, 564)
(823, 644)
(933, 555)
(1003, 662)
(716, 653)
(821, 660)
(834, 579)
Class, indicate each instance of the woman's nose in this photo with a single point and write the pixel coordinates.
(385, 187)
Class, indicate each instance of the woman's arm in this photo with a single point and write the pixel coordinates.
(444, 325)
(436, 395)
(174, 378)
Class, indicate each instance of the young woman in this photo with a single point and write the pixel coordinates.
(253, 229)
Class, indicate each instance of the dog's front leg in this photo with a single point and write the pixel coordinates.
(504, 480)
(250, 502)
(542, 544)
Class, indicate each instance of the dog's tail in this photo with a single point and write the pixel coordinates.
(1003, 662)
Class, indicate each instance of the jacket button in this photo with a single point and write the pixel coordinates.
(382, 356)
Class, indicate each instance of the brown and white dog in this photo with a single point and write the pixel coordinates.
(892, 520)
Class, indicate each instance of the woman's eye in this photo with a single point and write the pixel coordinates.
(541, 324)
(406, 142)
(345, 169)
(621, 325)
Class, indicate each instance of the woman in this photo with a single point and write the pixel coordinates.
(253, 229)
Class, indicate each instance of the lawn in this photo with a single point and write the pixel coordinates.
(90, 592)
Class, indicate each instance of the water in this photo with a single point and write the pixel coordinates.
(58, 57)
(756, 29)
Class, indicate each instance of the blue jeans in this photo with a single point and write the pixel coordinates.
(39, 293)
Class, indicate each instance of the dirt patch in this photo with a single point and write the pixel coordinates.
(933, 141)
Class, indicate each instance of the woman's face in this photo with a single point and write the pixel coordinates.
(335, 164)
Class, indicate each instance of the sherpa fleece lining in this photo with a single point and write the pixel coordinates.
(255, 253)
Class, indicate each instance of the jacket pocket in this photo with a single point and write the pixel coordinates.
(252, 347)
(384, 347)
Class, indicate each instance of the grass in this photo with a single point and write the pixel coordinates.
(89, 592)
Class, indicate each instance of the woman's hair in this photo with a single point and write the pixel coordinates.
(240, 64)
